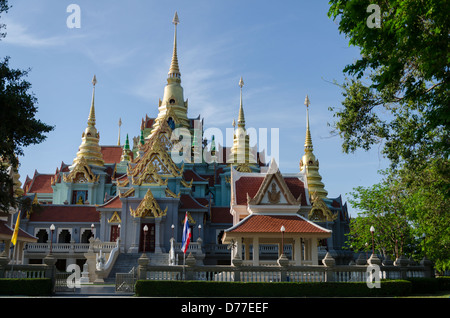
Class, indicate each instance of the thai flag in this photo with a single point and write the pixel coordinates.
(186, 235)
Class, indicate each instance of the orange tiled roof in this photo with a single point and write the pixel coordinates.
(272, 224)
(41, 183)
(113, 203)
(246, 185)
(111, 154)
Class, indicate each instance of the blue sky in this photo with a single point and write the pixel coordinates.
(284, 50)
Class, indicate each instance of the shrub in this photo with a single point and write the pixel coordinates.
(148, 288)
(26, 286)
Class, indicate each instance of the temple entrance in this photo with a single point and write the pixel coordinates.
(149, 238)
(115, 233)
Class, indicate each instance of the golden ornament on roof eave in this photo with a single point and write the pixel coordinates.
(81, 169)
(320, 211)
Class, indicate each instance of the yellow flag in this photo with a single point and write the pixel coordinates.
(16, 230)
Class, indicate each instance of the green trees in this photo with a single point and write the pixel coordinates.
(18, 125)
(396, 96)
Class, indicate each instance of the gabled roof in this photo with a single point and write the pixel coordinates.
(66, 213)
(41, 183)
(258, 223)
(112, 203)
(111, 154)
(190, 174)
(190, 203)
(6, 233)
(254, 185)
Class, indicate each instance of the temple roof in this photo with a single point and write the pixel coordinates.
(6, 233)
(190, 203)
(66, 213)
(112, 203)
(272, 223)
(248, 185)
(41, 183)
(111, 154)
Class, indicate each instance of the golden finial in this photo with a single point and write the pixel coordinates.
(308, 139)
(175, 19)
(91, 118)
(120, 124)
(174, 71)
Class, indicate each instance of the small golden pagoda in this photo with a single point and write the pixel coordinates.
(309, 164)
(90, 149)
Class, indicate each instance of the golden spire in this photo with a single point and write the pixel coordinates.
(309, 164)
(89, 149)
(308, 139)
(241, 118)
(174, 71)
(173, 104)
(91, 118)
(241, 153)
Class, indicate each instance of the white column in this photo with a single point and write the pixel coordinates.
(256, 251)
(314, 256)
(238, 248)
(297, 250)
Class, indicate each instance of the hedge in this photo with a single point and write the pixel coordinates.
(25, 286)
(421, 285)
(149, 288)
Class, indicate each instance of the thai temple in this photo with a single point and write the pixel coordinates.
(135, 196)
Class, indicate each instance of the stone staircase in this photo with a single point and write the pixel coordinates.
(125, 263)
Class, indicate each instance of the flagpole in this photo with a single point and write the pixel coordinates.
(14, 259)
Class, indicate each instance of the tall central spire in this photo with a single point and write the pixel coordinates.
(174, 71)
(241, 118)
(173, 106)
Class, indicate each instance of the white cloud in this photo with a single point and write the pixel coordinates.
(18, 34)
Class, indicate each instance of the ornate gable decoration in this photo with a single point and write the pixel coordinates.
(148, 207)
(320, 212)
(190, 219)
(81, 173)
(155, 162)
(275, 189)
(161, 136)
(115, 218)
